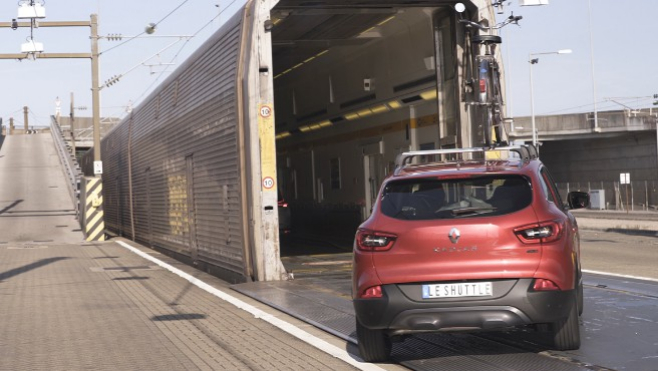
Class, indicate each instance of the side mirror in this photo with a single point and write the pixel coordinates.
(578, 200)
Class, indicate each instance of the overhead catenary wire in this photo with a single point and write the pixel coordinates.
(13, 113)
(143, 32)
(161, 73)
(34, 117)
(603, 104)
(145, 60)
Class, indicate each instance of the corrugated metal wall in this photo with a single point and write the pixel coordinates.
(178, 155)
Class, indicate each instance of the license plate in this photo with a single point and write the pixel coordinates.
(457, 290)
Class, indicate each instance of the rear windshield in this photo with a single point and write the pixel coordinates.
(431, 198)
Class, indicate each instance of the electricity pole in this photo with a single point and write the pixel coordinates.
(25, 119)
(93, 56)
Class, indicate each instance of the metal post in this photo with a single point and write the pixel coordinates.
(438, 69)
(532, 105)
(72, 126)
(25, 118)
(413, 129)
(532, 98)
(95, 88)
(591, 45)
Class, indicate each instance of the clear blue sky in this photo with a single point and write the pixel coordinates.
(37, 84)
(623, 34)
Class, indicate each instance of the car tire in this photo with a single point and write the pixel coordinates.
(374, 345)
(566, 331)
(581, 299)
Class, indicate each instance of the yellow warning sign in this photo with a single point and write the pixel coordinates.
(267, 145)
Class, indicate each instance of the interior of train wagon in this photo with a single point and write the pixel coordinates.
(353, 87)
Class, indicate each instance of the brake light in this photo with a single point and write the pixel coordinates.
(544, 285)
(372, 293)
(540, 232)
(367, 240)
(483, 86)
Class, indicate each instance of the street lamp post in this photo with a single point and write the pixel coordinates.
(95, 92)
(591, 51)
(532, 62)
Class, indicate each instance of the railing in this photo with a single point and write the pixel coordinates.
(608, 121)
(68, 161)
(636, 196)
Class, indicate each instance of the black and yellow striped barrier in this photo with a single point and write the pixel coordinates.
(94, 225)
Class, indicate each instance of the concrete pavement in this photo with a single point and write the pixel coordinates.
(35, 205)
(100, 306)
(636, 222)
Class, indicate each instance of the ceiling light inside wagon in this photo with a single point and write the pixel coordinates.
(325, 124)
(368, 30)
(394, 104)
(385, 21)
(352, 116)
(285, 134)
(379, 109)
(304, 129)
(283, 73)
(303, 63)
(429, 94)
(364, 112)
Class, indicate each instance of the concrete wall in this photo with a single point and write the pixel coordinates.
(596, 163)
(580, 125)
(602, 159)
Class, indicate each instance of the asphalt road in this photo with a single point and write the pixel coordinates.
(619, 253)
(618, 325)
(609, 252)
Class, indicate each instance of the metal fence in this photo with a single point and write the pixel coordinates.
(636, 196)
(68, 160)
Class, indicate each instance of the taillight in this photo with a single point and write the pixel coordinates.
(483, 86)
(540, 232)
(544, 285)
(282, 203)
(372, 292)
(367, 240)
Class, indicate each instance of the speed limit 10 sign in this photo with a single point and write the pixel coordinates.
(265, 111)
(268, 183)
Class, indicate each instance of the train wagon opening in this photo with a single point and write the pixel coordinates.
(355, 84)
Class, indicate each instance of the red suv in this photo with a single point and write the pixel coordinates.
(468, 245)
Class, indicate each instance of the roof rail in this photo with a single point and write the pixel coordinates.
(526, 153)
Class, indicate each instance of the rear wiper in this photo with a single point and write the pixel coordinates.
(472, 210)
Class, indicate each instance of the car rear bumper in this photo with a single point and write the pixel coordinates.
(519, 306)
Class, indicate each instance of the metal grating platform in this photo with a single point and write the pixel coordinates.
(323, 310)
(333, 312)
